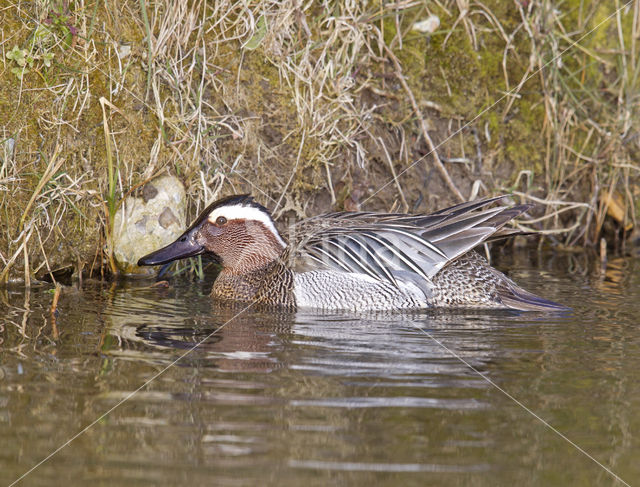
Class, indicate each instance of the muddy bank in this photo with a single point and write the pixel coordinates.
(312, 108)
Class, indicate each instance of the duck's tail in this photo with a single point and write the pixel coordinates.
(514, 297)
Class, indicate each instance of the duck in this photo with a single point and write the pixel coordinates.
(357, 261)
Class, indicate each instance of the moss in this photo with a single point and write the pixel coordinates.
(466, 82)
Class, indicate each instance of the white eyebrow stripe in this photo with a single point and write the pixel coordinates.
(239, 212)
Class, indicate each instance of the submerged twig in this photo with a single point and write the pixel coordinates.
(54, 311)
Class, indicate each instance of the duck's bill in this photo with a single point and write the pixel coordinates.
(180, 249)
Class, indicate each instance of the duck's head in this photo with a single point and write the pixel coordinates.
(239, 231)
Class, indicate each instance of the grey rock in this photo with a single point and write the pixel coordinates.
(167, 218)
(149, 191)
(147, 223)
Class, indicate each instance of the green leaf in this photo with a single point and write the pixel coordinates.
(46, 58)
(19, 71)
(258, 35)
(41, 32)
(17, 54)
(68, 38)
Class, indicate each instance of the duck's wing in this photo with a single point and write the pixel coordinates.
(394, 247)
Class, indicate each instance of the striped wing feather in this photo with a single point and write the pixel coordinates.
(403, 247)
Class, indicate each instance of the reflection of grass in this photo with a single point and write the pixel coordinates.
(192, 266)
(313, 109)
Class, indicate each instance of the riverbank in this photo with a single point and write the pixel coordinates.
(313, 107)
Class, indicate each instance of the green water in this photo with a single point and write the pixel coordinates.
(323, 399)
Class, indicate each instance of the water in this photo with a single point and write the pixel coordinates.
(323, 399)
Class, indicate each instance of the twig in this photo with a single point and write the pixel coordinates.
(603, 253)
(293, 171)
(52, 168)
(395, 176)
(54, 311)
(112, 175)
(425, 133)
(147, 29)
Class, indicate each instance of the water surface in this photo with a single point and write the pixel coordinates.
(320, 399)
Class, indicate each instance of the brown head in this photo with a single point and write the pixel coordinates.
(239, 231)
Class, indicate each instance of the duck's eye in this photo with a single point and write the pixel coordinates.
(221, 220)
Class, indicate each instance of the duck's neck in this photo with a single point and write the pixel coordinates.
(271, 284)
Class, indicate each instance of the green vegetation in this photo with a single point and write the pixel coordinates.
(312, 107)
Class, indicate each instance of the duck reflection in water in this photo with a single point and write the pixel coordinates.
(146, 323)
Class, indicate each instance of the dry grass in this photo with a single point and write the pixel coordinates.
(591, 98)
(312, 106)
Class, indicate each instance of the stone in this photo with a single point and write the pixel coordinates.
(428, 25)
(167, 218)
(149, 191)
(148, 222)
(124, 50)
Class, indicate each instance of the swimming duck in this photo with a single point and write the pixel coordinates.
(355, 260)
